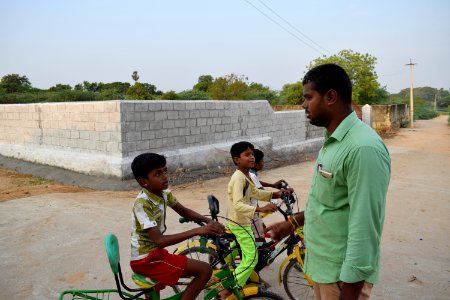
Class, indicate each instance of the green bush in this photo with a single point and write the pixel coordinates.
(424, 113)
(46, 96)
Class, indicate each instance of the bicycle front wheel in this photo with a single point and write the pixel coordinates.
(295, 283)
(264, 295)
(209, 256)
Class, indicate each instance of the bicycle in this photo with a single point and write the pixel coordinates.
(223, 278)
(297, 284)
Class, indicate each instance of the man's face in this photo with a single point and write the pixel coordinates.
(315, 106)
(156, 180)
(246, 160)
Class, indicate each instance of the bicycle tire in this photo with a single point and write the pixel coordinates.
(209, 256)
(264, 295)
(295, 283)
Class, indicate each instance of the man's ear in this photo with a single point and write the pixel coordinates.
(235, 160)
(331, 97)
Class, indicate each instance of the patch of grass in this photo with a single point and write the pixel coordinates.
(31, 181)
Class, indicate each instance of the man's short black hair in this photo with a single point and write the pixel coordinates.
(240, 147)
(330, 77)
(145, 162)
(259, 155)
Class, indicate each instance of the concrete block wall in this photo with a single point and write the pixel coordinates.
(102, 138)
(386, 118)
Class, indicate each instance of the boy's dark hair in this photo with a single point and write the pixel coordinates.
(240, 147)
(145, 162)
(259, 155)
(330, 77)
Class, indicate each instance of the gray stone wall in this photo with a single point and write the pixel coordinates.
(387, 118)
(102, 138)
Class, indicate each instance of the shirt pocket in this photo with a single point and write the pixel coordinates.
(326, 190)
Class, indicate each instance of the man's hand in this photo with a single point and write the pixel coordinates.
(279, 230)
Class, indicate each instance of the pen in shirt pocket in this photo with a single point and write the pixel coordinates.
(325, 174)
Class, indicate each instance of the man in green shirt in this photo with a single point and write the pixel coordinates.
(345, 210)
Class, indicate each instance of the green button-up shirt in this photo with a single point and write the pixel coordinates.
(345, 210)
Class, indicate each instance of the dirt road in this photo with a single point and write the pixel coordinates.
(54, 241)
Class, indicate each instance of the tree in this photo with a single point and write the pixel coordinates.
(229, 87)
(381, 96)
(13, 83)
(192, 95)
(138, 92)
(60, 87)
(204, 82)
(257, 91)
(292, 93)
(152, 89)
(170, 95)
(361, 70)
(117, 86)
(91, 86)
(135, 76)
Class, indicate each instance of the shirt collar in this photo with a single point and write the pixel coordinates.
(152, 197)
(343, 127)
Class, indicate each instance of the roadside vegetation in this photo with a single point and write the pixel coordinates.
(428, 101)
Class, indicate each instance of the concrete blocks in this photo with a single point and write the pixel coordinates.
(109, 134)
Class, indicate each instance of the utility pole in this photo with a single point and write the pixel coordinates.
(411, 102)
(435, 97)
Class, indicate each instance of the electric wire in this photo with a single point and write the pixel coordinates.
(285, 29)
(293, 27)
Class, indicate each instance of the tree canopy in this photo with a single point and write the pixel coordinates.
(13, 83)
(361, 70)
(228, 87)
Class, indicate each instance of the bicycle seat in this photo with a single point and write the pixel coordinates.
(112, 252)
(142, 281)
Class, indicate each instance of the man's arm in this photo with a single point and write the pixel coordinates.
(368, 172)
(280, 230)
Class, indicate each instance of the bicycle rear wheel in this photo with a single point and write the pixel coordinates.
(264, 295)
(295, 283)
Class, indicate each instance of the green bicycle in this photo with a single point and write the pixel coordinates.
(297, 284)
(223, 278)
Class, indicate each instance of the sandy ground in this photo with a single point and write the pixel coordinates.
(52, 235)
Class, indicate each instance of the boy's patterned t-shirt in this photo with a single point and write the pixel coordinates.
(149, 210)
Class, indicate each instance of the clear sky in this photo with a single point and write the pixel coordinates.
(172, 42)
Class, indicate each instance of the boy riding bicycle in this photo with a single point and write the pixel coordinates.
(240, 211)
(148, 254)
(257, 223)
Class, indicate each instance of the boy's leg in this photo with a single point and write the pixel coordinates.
(201, 272)
(246, 240)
